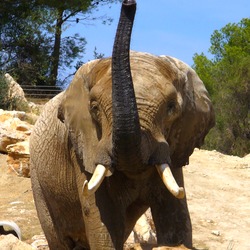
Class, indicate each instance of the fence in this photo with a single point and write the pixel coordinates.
(40, 93)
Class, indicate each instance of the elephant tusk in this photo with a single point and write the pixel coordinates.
(169, 181)
(96, 180)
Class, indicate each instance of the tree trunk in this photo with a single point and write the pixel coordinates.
(56, 49)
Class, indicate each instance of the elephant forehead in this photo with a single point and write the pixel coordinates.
(152, 77)
(102, 88)
(153, 88)
(152, 66)
(151, 74)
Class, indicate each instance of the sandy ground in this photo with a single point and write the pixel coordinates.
(217, 187)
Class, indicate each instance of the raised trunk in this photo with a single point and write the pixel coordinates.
(126, 126)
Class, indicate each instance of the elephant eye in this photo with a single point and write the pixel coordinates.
(94, 110)
(171, 107)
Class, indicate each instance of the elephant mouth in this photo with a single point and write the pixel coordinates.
(89, 188)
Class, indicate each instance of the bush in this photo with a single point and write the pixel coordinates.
(227, 77)
(4, 102)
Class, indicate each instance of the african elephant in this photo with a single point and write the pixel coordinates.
(114, 143)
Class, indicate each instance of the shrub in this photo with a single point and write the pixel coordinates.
(4, 102)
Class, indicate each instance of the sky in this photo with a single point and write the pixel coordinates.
(165, 27)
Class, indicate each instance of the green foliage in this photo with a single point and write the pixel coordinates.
(25, 47)
(71, 48)
(227, 77)
(32, 46)
(203, 67)
(3, 92)
(98, 55)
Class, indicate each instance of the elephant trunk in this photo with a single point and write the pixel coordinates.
(126, 126)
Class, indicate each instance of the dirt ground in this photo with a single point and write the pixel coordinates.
(217, 187)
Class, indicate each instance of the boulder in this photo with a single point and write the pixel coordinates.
(15, 90)
(16, 96)
(10, 242)
(18, 159)
(14, 140)
(13, 128)
(143, 232)
(5, 115)
(8, 137)
(39, 242)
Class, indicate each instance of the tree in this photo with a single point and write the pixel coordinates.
(227, 77)
(32, 46)
(25, 46)
(66, 10)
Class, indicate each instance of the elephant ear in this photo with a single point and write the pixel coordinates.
(197, 118)
(74, 112)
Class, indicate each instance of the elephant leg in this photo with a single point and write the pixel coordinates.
(44, 215)
(103, 221)
(171, 216)
(104, 227)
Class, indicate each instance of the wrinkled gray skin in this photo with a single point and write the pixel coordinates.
(129, 125)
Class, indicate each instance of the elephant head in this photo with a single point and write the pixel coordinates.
(134, 112)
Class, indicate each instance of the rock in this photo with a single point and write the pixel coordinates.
(14, 140)
(143, 232)
(16, 96)
(39, 242)
(5, 115)
(12, 128)
(23, 127)
(8, 137)
(18, 158)
(135, 246)
(216, 232)
(15, 90)
(10, 242)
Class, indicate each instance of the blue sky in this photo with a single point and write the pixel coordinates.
(176, 28)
